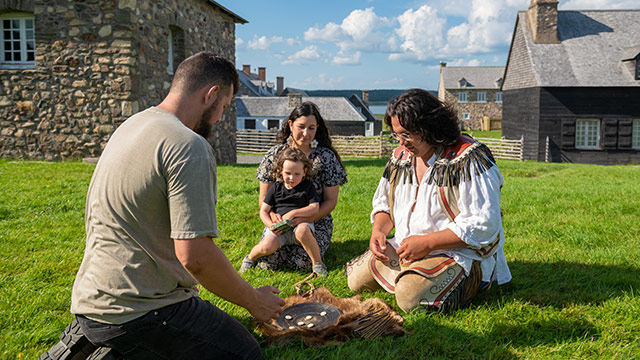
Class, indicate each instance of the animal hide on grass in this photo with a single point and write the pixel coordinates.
(368, 318)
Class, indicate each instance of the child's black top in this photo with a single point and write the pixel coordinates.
(283, 200)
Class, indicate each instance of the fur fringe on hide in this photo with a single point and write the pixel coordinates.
(360, 319)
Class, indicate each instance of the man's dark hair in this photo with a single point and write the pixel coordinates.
(204, 69)
(420, 112)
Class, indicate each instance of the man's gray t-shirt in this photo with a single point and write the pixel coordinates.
(155, 182)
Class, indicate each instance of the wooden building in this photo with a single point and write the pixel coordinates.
(572, 84)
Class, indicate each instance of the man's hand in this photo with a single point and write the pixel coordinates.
(414, 247)
(378, 244)
(267, 305)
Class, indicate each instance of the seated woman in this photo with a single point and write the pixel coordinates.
(440, 191)
(305, 130)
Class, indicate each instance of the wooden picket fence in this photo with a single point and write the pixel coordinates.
(357, 146)
(505, 149)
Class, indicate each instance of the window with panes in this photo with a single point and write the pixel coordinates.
(17, 42)
(588, 134)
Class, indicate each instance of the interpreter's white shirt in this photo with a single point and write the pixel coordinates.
(478, 223)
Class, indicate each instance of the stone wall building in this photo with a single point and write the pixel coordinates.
(475, 91)
(72, 71)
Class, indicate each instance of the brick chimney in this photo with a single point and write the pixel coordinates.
(365, 97)
(262, 73)
(279, 85)
(443, 64)
(294, 100)
(246, 69)
(543, 21)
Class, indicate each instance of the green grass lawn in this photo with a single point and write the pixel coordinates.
(573, 245)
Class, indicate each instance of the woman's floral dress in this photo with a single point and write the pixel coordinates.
(328, 172)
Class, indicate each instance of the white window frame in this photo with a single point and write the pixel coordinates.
(466, 115)
(499, 96)
(481, 97)
(588, 134)
(170, 51)
(635, 134)
(23, 40)
(463, 97)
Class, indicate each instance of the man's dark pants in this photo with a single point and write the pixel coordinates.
(192, 329)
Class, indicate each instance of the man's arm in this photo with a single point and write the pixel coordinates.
(210, 266)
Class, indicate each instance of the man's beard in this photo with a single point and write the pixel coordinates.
(203, 126)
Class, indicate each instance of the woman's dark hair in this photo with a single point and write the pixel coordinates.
(308, 108)
(295, 155)
(420, 112)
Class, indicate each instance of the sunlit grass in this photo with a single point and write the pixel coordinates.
(573, 244)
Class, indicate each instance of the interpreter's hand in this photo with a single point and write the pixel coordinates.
(377, 245)
(415, 247)
(267, 305)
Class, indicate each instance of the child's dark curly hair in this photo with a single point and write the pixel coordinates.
(295, 155)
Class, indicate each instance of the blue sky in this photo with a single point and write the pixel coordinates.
(378, 44)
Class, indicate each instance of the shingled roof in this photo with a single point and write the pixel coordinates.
(592, 46)
(477, 77)
(331, 108)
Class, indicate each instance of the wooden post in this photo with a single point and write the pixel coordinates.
(522, 147)
(546, 150)
(381, 147)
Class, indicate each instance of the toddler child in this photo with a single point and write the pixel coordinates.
(291, 196)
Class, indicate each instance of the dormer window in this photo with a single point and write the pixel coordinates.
(499, 83)
(463, 83)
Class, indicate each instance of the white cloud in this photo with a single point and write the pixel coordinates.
(421, 33)
(263, 43)
(290, 41)
(309, 53)
(360, 31)
(239, 42)
(463, 62)
(321, 81)
(488, 27)
(347, 59)
(332, 32)
(388, 82)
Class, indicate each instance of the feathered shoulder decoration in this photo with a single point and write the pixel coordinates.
(453, 164)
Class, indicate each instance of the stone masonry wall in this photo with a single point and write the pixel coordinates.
(97, 63)
(475, 109)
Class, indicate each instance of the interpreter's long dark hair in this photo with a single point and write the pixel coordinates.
(420, 112)
(308, 108)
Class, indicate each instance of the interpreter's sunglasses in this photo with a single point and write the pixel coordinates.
(403, 136)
